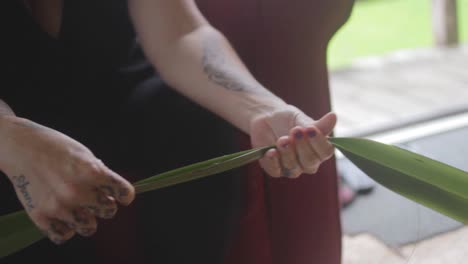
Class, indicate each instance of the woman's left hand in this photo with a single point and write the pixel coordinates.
(301, 142)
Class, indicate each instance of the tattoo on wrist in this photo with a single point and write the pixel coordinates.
(222, 71)
(22, 183)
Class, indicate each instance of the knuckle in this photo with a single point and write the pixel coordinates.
(275, 173)
(94, 168)
(39, 217)
(315, 169)
(312, 169)
(54, 208)
(70, 192)
(295, 174)
(89, 166)
(330, 152)
(81, 216)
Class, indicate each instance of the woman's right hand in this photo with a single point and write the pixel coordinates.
(60, 183)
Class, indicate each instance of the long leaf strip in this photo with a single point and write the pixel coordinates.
(425, 169)
(423, 180)
(17, 231)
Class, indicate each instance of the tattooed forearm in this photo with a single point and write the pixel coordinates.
(221, 70)
(21, 183)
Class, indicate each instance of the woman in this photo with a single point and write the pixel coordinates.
(82, 109)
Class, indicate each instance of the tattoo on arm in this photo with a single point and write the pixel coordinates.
(22, 183)
(221, 70)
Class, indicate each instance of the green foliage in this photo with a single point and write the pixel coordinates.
(377, 27)
(431, 183)
(423, 180)
(17, 231)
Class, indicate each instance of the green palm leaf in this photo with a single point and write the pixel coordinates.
(423, 180)
(17, 231)
(431, 183)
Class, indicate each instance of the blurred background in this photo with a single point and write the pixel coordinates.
(399, 75)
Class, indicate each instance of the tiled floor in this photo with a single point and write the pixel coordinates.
(448, 248)
(399, 87)
(384, 92)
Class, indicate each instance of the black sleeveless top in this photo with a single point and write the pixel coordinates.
(96, 57)
(74, 81)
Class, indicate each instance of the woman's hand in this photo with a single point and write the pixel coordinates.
(60, 183)
(301, 143)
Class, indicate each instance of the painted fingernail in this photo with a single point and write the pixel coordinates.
(80, 216)
(109, 213)
(298, 135)
(71, 225)
(311, 133)
(93, 209)
(59, 227)
(86, 231)
(57, 241)
(44, 232)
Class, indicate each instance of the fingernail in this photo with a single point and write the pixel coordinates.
(86, 231)
(312, 133)
(93, 209)
(298, 135)
(109, 213)
(285, 145)
(57, 241)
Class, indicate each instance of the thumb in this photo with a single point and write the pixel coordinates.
(326, 123)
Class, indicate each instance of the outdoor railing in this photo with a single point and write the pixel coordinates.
(444, 22)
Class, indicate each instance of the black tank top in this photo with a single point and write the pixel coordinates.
(96, 57)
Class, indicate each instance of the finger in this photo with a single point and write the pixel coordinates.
(82, 221)
(50, 221)
(326, 123)
(58, 231)
(319, 144)
(308, 159)
(45, 224)
(119, 188)
(289, 164)
(78, 219)
(103, 205)
(271, 164)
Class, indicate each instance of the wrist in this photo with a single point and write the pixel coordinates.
(264, 108)
(7, 123)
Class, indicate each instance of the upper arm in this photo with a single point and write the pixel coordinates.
(160, 23)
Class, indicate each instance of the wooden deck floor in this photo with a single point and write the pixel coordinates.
(399, 87)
